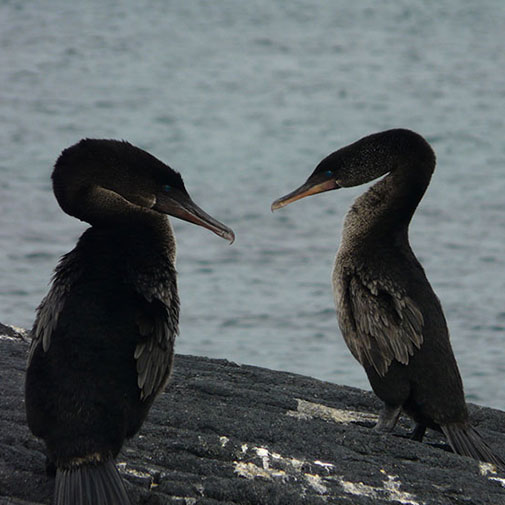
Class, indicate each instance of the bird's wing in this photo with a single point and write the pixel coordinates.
(158, 323)
(65, 275)
(379, 322)
(154, 353)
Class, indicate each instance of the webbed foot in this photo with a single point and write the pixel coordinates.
(418, 432)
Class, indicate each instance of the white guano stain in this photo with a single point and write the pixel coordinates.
(21, 331)
(125, 468)
(390, 491)
(129, 470)
(251, 471)
(488, 468)
(185, 500)
(269, 469)
(310, 410)
(7, 337)
(392, 485)
(275, 466)
(224, 441)
(265, 456)
(316, 482)
(326, 466)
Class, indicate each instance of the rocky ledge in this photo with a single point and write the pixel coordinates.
(224, 433)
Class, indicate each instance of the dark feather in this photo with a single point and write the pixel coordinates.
(157, 320)
(90, 484)
(466, 441)
(379, 322)
(65, 275)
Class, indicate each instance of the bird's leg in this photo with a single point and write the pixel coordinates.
(418, 432)
(387, 418)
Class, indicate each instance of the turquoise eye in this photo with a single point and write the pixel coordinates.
(166, 188)
(329, 172)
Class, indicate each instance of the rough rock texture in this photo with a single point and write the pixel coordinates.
(223, 433)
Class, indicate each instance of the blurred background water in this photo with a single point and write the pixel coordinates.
(245, 98)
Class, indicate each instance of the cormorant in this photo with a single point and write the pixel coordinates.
(103, 338)
(388, 313)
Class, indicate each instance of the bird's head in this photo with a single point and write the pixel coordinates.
(103, 181)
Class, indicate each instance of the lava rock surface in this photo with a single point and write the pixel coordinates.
(228, 434)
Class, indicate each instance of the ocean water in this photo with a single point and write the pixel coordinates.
(244, 99)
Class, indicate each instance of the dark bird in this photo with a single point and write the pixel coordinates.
(388, 313)
(103, 339)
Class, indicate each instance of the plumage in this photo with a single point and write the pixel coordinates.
(103, 339)
(388, 314)
(379, 324)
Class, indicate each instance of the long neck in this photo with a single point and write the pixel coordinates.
(136, 251)
(136, 227)
(382, 214)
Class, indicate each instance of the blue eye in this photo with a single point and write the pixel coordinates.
(166, 188)
(329, 172)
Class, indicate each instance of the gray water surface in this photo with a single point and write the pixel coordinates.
(244, 99)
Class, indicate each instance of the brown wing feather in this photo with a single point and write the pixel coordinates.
(154, 354)
(157, 320)
(65, 275)
(379, 322)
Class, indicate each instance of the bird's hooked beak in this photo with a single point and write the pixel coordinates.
(179, 204)
(316, 183)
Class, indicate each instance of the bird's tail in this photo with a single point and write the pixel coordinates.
(90, 484)
(466, 441)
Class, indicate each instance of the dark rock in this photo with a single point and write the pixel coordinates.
(223, 433)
